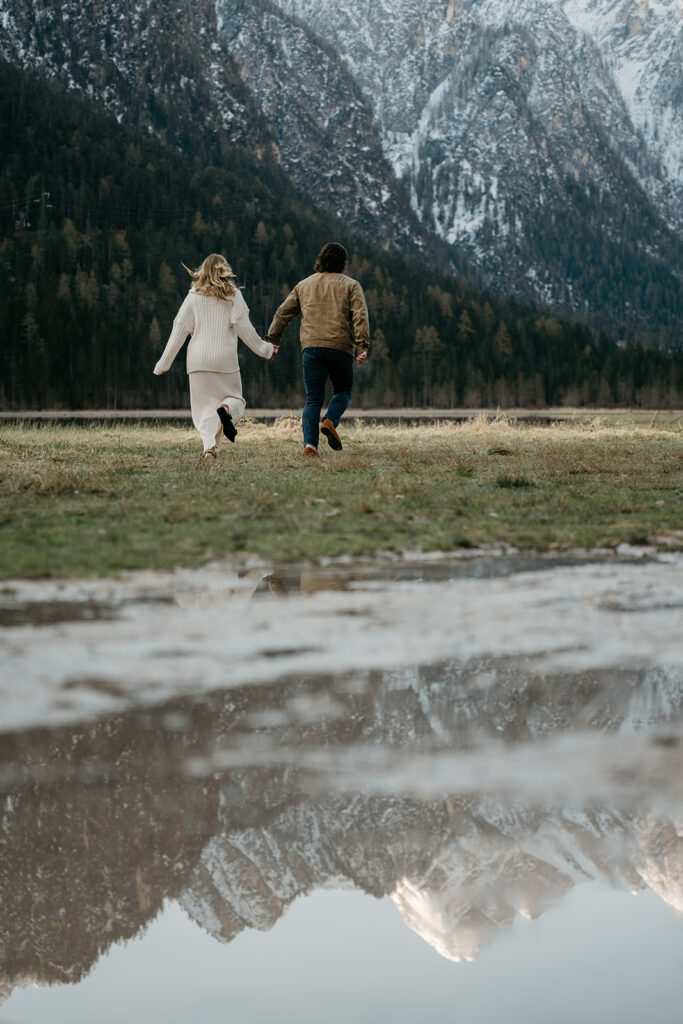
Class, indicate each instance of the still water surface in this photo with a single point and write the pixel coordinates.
(483, 835)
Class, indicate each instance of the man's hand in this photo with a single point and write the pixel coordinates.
(362, 356)
(276, 349)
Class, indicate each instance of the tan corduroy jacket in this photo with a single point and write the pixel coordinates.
(333, 313)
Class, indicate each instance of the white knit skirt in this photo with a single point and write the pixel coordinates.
(207, 392)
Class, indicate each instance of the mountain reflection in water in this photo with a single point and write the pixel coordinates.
(206, 803)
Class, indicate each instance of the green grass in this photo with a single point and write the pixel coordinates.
(94, 501)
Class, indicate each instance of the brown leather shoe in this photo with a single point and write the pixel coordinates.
(328, 428)
(310, 452)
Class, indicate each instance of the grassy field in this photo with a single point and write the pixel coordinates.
(96, 500)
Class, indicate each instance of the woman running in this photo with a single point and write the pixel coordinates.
(215, 314)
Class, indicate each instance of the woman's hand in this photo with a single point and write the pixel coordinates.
(276, 349)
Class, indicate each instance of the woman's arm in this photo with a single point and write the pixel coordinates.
(245, 329)
(250, 337)
(182, 326)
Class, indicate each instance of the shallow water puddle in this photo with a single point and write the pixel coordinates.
(430, 791)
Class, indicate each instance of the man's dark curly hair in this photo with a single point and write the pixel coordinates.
(331, 258)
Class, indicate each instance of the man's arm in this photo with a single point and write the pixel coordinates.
(284, 313)
(360, 321)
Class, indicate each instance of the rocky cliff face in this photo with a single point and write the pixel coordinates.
(100, 824)
(539, 139)
(459, 870)
(641, 43)
(325, 129)
(164, 68)
(516, 125)
(233, 73)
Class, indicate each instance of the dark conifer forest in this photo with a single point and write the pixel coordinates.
(95, 219)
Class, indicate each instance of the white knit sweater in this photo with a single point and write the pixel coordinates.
(215, 325)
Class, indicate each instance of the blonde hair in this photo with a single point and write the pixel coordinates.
(214, 277)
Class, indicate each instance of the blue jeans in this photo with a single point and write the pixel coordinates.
(319, 364)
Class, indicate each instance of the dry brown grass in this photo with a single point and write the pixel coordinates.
(86, 499)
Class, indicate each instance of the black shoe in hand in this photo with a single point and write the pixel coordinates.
(229, 428)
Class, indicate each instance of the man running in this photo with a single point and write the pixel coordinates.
(334, 328)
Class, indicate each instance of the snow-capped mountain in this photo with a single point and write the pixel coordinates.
(614, 56)
(459, 870)
(328, 141)
(517, 123)
(641, 42)
(172, 70)
(91, 848)
(541, 140)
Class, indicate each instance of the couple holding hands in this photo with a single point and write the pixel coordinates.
(334, 329)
